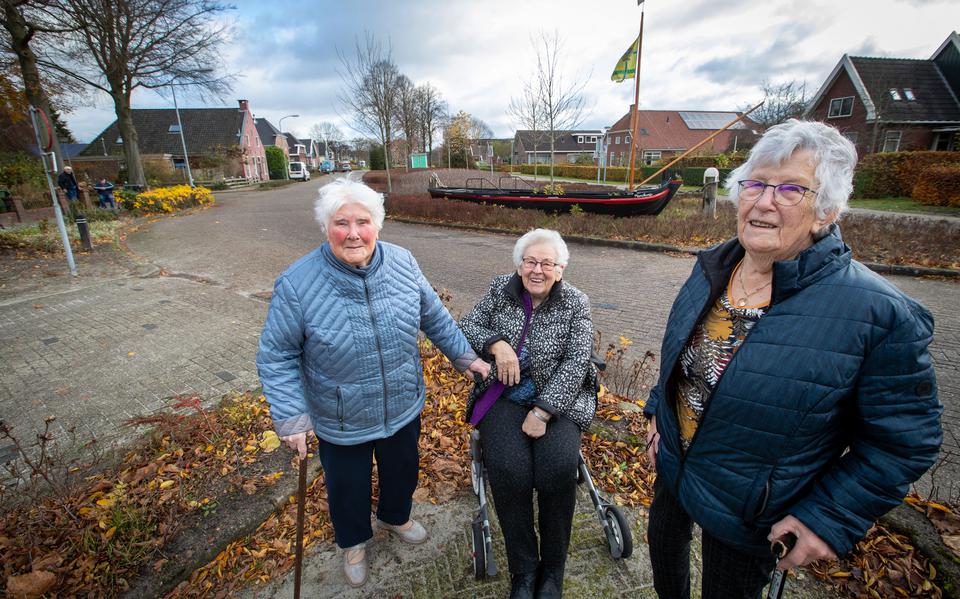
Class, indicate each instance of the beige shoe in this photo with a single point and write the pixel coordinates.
(412, 532)
(355, 565)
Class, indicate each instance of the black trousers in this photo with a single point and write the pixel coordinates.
(727, 572)
(516, 465)
(348, 470)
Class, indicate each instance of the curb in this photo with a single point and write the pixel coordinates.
(925, 538)
(644, 246)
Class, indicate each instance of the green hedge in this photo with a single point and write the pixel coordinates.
(690, 175)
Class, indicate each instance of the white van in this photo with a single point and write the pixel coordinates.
(299, 170)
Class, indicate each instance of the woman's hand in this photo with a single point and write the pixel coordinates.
(809, 547)
(297, 442)
(479, 367)
(653, 442)
(534, 426)
(508, 366)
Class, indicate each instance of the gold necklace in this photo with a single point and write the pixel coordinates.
(743, 300)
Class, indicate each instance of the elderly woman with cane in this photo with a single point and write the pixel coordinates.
(796, 397)
(339, 357)
(532, 409)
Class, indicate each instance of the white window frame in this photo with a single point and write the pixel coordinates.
(894, 94)
(651, 156)
(908, 94)
(853, 136)
(579, 139)
(839, 113)
(892, 137)
(617, 141)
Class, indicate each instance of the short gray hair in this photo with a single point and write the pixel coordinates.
(336, 195)
(835, 155)
(538, 237)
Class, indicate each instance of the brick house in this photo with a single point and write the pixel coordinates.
(568, 146)
(894, 104)
(271, 136)
(296, 149)
(665, 134)
(208, 132)
(314, 155)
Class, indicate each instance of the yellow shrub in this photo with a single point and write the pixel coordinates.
(170, 199)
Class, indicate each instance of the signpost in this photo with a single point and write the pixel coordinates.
(44, 135)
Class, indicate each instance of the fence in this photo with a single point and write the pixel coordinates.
(15, 213)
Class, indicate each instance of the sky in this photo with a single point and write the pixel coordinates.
(478, 54)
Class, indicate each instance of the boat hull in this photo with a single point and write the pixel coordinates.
(646, 201)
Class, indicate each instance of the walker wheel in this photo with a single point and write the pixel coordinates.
(479, 553)
(619, 537)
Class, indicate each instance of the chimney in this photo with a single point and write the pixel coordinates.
(244, 106)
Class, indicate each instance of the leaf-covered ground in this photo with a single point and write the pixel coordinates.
(92, 538)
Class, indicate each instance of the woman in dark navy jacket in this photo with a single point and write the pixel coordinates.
(796, 393)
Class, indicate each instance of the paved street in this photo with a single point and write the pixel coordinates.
(125, 336)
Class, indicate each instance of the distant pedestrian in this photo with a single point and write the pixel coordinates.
(105, 192)
(797, 397)
(67, 181)
(339, 357)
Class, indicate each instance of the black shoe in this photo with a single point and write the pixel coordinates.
(521, 585)
(550, 583)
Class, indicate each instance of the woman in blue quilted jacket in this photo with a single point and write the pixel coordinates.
(339, 357)
(796, 396)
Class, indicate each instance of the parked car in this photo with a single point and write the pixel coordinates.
(326, 167)
(299, 170)
(345, 166)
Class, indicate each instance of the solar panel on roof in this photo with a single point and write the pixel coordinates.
(709, 120)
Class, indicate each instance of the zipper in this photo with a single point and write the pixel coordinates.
(376, 335)
(709, 403)
(340, 406)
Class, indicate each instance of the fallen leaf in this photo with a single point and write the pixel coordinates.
(32, 585)
(131, 354)
(269, 441)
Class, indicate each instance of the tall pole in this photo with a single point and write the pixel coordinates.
(636, 102)
(34, 112)
(183, 141)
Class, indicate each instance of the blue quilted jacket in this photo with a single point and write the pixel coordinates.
(839, 362)
(339, 350)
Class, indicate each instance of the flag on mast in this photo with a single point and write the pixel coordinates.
(627, 66)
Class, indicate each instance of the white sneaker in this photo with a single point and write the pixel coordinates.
(355, 565)
(412, 532)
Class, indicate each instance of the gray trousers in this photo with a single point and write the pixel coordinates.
(516, 465)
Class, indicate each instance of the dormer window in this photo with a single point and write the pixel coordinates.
(119, 140)
(894, 94)
(174, 128)
(908, 94)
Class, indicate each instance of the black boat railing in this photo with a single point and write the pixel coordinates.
(514, 179)
(481, 181)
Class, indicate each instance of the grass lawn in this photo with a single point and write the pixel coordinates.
(903, 205)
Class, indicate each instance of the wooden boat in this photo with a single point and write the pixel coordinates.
(649, 200)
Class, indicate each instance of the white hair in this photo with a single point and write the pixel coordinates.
(541, 237)
(835, 156)
(341, 192)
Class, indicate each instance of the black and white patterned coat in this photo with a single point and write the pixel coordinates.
(560, 340)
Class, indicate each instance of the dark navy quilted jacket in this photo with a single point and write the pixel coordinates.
(838, 362)
(339, 350)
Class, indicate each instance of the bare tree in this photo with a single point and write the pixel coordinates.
(527, 112)
(562, 102)
(782, 101)
(118, 46)
(432, 113)
(327, 133)
(369, 92)
(407, 116)
(22, 21)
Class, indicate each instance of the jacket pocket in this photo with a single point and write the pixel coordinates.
(340, 407)
(758, 498)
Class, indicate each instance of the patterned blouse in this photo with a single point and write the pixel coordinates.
(711, 347)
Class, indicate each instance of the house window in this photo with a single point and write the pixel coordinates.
(643, 131)
(626, 139)
(579, 139)
(840, 107)
(852, 136)
(617, 140)
(593, 139)
(891, 141)
(651, 156)
(894, 94)
(908, 94)
(613, 158)
(174, 128)
(119, 140)
(179, 162)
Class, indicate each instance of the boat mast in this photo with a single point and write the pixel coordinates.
(634, 120)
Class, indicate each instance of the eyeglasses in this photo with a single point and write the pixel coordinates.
(545, 265)
(785, 194)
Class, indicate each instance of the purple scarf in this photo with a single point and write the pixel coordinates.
(495, 390)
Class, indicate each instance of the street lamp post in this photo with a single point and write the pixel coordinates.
(289, 116)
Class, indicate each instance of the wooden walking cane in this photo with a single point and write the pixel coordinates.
(301, 500)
